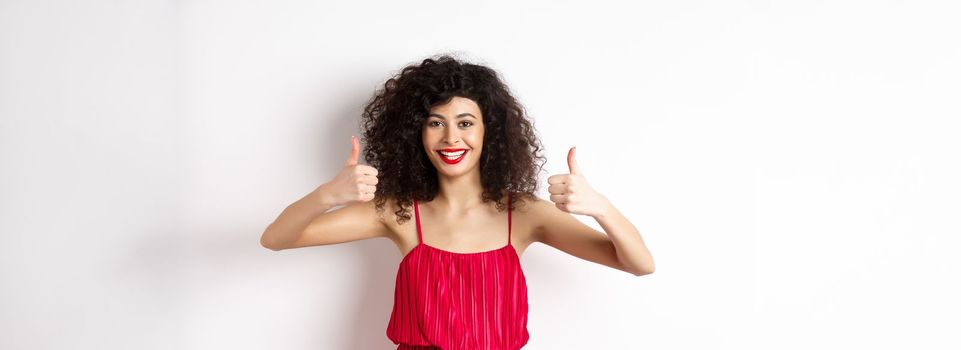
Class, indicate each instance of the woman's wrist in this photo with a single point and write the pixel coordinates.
(321, 195)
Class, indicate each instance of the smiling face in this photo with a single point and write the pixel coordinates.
(457, 129)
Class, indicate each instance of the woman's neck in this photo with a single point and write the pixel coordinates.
(461, 193)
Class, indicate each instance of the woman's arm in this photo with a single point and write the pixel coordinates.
(620, 246)
(623, 248)
(307, 223)
(631, 250)
(289, 225)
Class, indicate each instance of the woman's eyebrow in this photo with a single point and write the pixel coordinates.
(462, 115)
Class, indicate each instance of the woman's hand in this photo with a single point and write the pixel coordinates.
(571, 193)
(354, 183)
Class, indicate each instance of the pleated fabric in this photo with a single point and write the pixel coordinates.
(455, 301)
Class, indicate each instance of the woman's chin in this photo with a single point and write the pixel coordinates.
(452, 170)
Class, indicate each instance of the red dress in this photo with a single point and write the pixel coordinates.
(457, 301)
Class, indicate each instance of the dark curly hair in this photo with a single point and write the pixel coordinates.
(394, 118)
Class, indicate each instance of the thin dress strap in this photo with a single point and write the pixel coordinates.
(420, 237)
(508, 218)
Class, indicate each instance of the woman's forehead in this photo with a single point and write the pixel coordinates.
(456, 107)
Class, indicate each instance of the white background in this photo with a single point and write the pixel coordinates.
(792, 165)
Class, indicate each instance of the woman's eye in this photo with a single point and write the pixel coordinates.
(436, 123)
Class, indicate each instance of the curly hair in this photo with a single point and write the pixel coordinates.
(394, 118)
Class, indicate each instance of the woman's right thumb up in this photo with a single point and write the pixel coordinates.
(355, 182)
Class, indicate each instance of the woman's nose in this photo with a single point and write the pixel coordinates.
(452, 136)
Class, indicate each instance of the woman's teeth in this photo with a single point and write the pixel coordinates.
(452, 155)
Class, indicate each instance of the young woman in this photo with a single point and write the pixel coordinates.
(448, 143)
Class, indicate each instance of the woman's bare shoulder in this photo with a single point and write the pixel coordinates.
(527, 203)
(527, 217)
(389, 215)
(403, 232)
